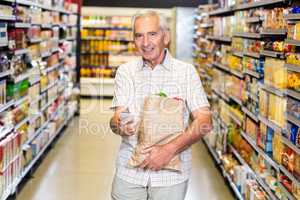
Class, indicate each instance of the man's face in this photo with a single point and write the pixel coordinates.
(150, 40)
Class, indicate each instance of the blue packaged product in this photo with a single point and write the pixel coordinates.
(270, 134)
(295, 10)
(294, 132)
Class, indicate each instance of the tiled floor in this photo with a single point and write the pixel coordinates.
(81, 165)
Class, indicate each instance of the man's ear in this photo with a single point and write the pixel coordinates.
(167, 37)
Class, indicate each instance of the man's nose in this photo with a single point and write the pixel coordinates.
(145, 41)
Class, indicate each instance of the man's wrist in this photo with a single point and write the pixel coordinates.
(171, 148)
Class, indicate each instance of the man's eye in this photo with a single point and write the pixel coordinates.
(153, 34)
(137, 35)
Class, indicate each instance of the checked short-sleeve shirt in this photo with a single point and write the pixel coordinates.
(133, 82)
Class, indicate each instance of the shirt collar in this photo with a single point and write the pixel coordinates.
(166, 62)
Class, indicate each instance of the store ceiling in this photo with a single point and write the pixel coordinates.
(145, 4)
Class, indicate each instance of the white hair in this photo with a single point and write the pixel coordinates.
(163, 22)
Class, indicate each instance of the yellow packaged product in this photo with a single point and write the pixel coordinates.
(275, 73)
(263, 103)
(278, 148)
(277, 108)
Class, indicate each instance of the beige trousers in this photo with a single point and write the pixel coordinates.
(122, 190)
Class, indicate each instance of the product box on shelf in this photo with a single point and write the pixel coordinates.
(275, 73)
(278, 148)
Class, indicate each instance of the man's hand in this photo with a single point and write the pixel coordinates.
(158, 156)
(126, 129)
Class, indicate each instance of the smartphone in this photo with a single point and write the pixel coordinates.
(126, 117)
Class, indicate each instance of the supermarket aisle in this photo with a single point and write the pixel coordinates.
(81, 165)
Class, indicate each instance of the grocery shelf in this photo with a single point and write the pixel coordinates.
(54, 49)
(45, 54)
(232, 185)
(21, 123)
(46, 26)
(252, 96)
(274, 32)
(34, 81)
(219, 38)
(34, 118)
(20, 51)
(70, 38)
(270, 124)
(273, 54)
(7, 105)
(253, 73)
(49, 103)
(252, 54)
(22, 77)
(289, 175)
(4, 44)
(236, 100)
(238, 53)
(35, 40)
(263, 3)
(20, 101)
(222, 95)
(221, 11)
(110, 28)
(286, 192)
(273, 90)
(31, 3)
(259, 179)
(107, 39)
(260, 151)
(21, 25)
(235, 119)
(292, 17)
(248, 35)
(250, 114)
(53, 67)
(222, 67)
(5, 73)
(288, 143)
(292, 119)
(97, 80)
(206, 25)
(37, 157)
(291, 67)
(3, 17)
(37, 99)
(212, 151)
(293, 42)
(293, 94)
(237, 155)
(11, 1)
(6, 131)
(237, 73)
(50, 86)
(208, 65)
(37, 132)
(253, 20)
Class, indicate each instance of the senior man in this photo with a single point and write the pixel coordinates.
(156, 71)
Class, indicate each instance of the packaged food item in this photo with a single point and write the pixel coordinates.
(293, 107)
(263, 103)
(288, 159)
(277, 109)
(294, 81)
(278, 148)
(275, 73)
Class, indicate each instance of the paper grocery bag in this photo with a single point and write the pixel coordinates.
(161, 121)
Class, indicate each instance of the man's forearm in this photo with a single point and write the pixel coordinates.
(198, 128)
